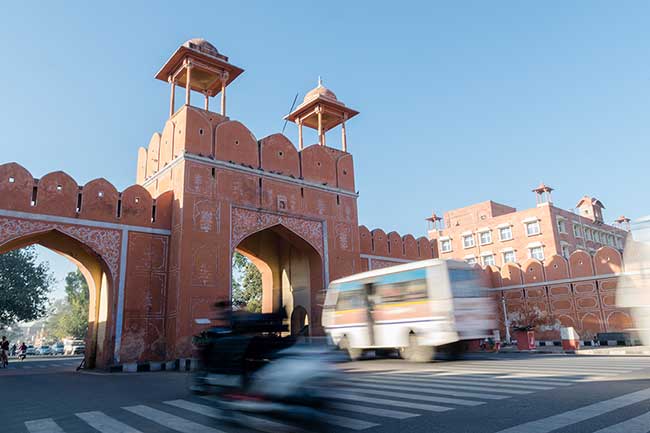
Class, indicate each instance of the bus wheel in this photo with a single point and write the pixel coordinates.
(353, 353)
(416, 353)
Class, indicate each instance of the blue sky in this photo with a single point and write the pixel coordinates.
(460, 101)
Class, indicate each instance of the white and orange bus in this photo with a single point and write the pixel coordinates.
(415, 308)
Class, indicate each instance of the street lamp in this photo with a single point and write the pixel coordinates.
(505, 318)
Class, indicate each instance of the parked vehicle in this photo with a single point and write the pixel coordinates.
(30, 350)
(44, 350)
(58, 349)
(74, 347)
(415, 308)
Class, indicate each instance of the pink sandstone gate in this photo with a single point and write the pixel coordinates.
(159, 254)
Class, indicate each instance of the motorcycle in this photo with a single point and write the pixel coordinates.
(292, 385)
(22, 354)
(250, 369)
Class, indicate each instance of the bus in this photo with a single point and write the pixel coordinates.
(414, 308)
(632, 289)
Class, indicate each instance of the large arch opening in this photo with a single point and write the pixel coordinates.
(98, 338)
(291, 276)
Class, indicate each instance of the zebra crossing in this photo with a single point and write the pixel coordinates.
(40, 364)
(365, 399)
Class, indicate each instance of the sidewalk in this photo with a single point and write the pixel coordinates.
(603, 350)
(621, 351)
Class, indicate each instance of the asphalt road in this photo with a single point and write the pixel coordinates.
(492, 393)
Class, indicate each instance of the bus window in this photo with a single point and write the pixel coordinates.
(403, 291)
(351, 300)
(465, 283)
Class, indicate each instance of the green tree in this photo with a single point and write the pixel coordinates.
(24, 286)
(70, 315)
(246, 284)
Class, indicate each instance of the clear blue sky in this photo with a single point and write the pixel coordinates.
(460, 101)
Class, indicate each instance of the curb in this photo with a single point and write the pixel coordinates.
(181, 364)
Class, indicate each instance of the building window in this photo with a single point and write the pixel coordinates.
(468, 241)
(470, 260)
(488, 260)
(445, 245)
(561, 226)
(577, 231)
(505, 233)
(566, 252)
(532, 228)
(485, 237)
(588, 234)
(509, 257)
(597, 236)
(536, 253)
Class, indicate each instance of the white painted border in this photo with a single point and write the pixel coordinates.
(388, 259)
(119, 315)
(84, 222)
(257, 172)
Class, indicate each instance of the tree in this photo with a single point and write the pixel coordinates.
(246, 285)
(70, 316)
(24, 286)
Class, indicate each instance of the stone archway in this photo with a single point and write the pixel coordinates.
(96, 254)
(292, 270)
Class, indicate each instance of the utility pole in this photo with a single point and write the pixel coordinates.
(505, 318)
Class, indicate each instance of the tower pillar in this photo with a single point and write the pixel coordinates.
(172, 98)
(300, 141)
(188, 81)
(224, 80)
(344, 141)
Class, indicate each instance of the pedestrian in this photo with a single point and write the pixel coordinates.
(13, 350)
(4, 351)
(595, 341)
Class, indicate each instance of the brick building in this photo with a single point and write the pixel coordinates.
(490, 233)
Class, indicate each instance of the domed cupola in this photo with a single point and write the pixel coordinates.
(197, 65)
(321, 110)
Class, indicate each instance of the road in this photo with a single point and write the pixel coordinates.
(503, 393)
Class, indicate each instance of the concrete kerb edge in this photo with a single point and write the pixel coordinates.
(181, 364)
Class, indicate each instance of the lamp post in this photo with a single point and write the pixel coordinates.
(505, 318)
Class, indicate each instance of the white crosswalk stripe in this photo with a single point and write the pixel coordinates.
(377, 411)
(170, 421)
(639, 424)
(45, 425)
(253, 422)
(105, 424)
(429, 390)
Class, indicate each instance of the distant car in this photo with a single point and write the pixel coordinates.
(58, 349)
(74, 347)
(30, 350)
(44, 350)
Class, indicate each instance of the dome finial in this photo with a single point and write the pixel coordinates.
(320, 81)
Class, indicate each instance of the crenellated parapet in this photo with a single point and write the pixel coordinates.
(58, 194)
(379, 250)
(579, 292)
(202, 133)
